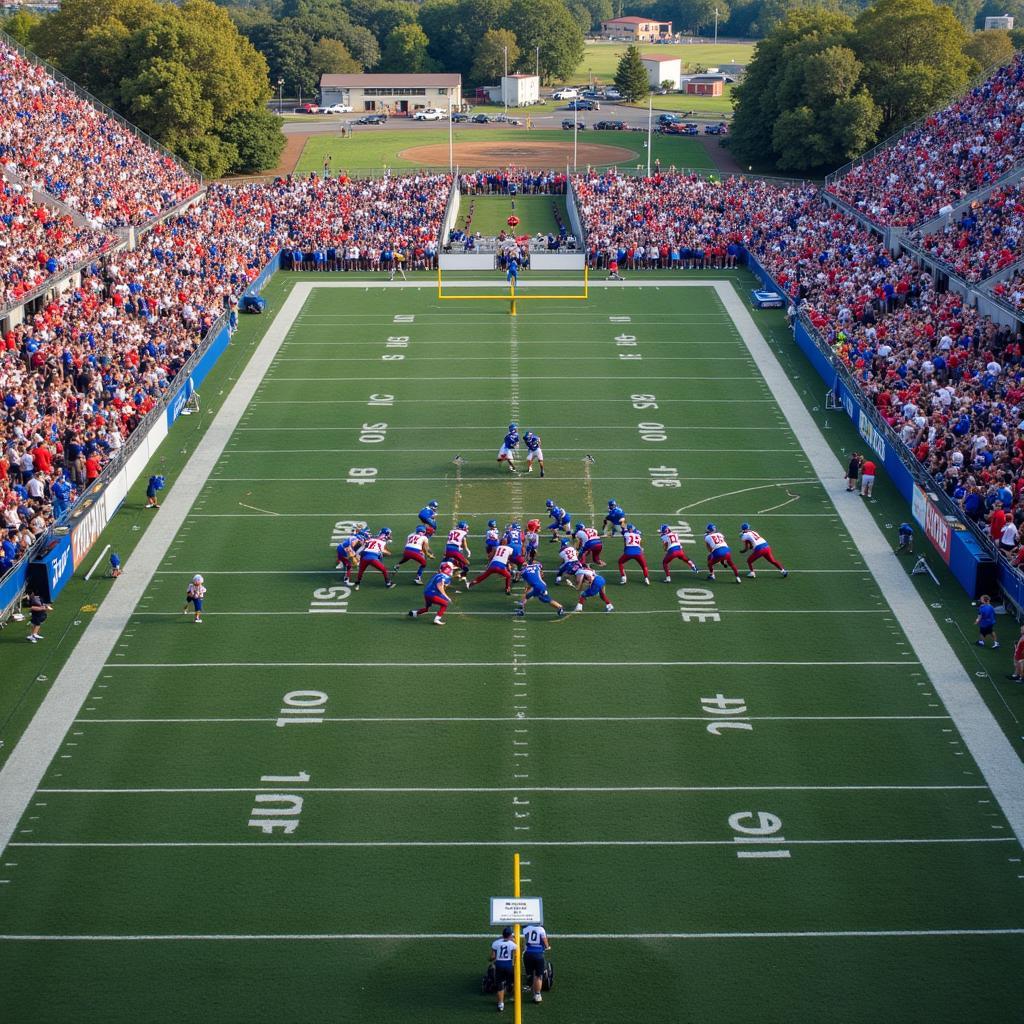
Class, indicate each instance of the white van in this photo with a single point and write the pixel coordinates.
(566, 94)
(430, 114)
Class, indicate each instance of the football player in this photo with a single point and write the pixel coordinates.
(616, 517)
(514, 539)
(498, 566)
(588, 542)
(758, 548)
(560, 520)
(533, 577)
(718, 551)
(569, 564)
(532, 539)
(491, 538)
(417, 549)
(591, 585)
(372, 556)
(428, 517)
(348, 552)
(456, 548)
(507, 452)
(673, 550)
(436, 595)
(533, 451)
(633, 551)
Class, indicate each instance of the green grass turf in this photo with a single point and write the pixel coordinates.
(422, 726)
(601, 59)
(703, 105)
(374, 148)
(490, 213)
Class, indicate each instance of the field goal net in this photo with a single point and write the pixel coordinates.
(479, 277)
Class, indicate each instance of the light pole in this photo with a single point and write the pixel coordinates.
(504, 86)
(716, 24)
(451, 159)
(536, 67)
(650, 115)
(280, 96)
(575, 134)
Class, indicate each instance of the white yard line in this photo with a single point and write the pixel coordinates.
(455, 790)
(420, 937)
(493, 664)
(999, 763)
(24, 769)
(508, 614)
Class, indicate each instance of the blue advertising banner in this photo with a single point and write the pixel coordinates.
(53, 568)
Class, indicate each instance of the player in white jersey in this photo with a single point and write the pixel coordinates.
(589, 543)
(570, 562)
(591, 585)
(456, 548)
(372, 556)
(535, 945)
(417, 549)
(498, 566)
(718, 552)
(758, 548)
(673, 550)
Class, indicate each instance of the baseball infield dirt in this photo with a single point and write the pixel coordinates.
(519, 154)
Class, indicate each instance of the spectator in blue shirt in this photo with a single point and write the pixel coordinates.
(986, 622)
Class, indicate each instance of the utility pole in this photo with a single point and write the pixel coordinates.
(504, 88)
(536, 68)
(716, 24)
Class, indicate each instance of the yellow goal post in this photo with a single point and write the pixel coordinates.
(481, 290)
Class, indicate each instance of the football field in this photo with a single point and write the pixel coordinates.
(738, 802)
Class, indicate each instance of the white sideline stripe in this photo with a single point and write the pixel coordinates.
(257, 844)
(441, 790)
(479, 936)
(490, 451)
(510, 718)
(332, 571)
(637, 515)
(487, 664)
(24, 769)
(999, 763)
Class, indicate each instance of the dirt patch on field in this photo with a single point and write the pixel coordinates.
(540, 155)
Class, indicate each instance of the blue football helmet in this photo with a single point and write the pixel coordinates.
(386, 531)
(492, 524)
(564, 542)
(512, 427)
(421, 528)
(432, 504)
(549, 503)
(462, 525)
(664, 528)
(711, 528)
(631, 527)
(744, 527)
(612, 503)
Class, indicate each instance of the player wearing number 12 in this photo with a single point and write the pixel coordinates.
(456, 548)
(758, 548)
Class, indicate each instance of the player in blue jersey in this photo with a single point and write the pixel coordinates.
(507, 452)
(560, 520)
(533, 451)
(428, 517)
(616, 517)
(492, 538)
(533, 577)
(435, 594)
(514, 539)
(348, 552)
(591, 585)
(512, 273)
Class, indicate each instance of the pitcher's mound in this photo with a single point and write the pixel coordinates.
(541, 155)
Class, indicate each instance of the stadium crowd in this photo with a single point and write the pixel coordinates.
(984, 239)
(512, 181)
(937, 164)
(56, 141)
(79, 375)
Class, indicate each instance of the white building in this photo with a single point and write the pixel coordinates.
(520, 90)
(392, 93)
(662, 69)
(1004, 22)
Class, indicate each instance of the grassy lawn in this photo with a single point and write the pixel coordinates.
(371, 149)
(601, 59)
(703, 106)
(491, 213)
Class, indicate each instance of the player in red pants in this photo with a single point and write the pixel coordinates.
(372, 555)
(498, 567)
(633, 551)
(435, 594)
(417, 549)
(718, 551)
(673, 550)
(758, 548)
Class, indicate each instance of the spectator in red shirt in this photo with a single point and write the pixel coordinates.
(867, 478)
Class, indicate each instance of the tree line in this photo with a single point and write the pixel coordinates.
(824, 86)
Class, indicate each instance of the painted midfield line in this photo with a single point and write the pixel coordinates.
(478, 936)
(486, 664)
(444, 790)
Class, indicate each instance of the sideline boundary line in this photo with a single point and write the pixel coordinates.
(998, 762)
(38, 745)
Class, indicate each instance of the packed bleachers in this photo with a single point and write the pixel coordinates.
(982, 240)
(954, 152)
(58, 142)
(513, 180)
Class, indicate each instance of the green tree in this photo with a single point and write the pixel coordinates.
(382, 17)
(362, 44)
(988, 49)
(694, 15)
(600, 10)
(803, 104)
(257, 137)
(913, 56)
(631, 76)
(549, 25)
(20, 26)
(455, 27)
(331, 57)
(489, 64)
(405, 49)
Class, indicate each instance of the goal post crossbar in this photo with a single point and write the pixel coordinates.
(514, 295)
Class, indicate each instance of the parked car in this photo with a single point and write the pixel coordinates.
(481, 119)
(307, 108)
(570, 125)
(372, 119)
(459, 118)
(669, 119)
(679, 129)
(590, 94)
(429, 114)
(566, 94)
(610, 126)
(716, 129)
(338, 108)
(583, 105)
(612, 94)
